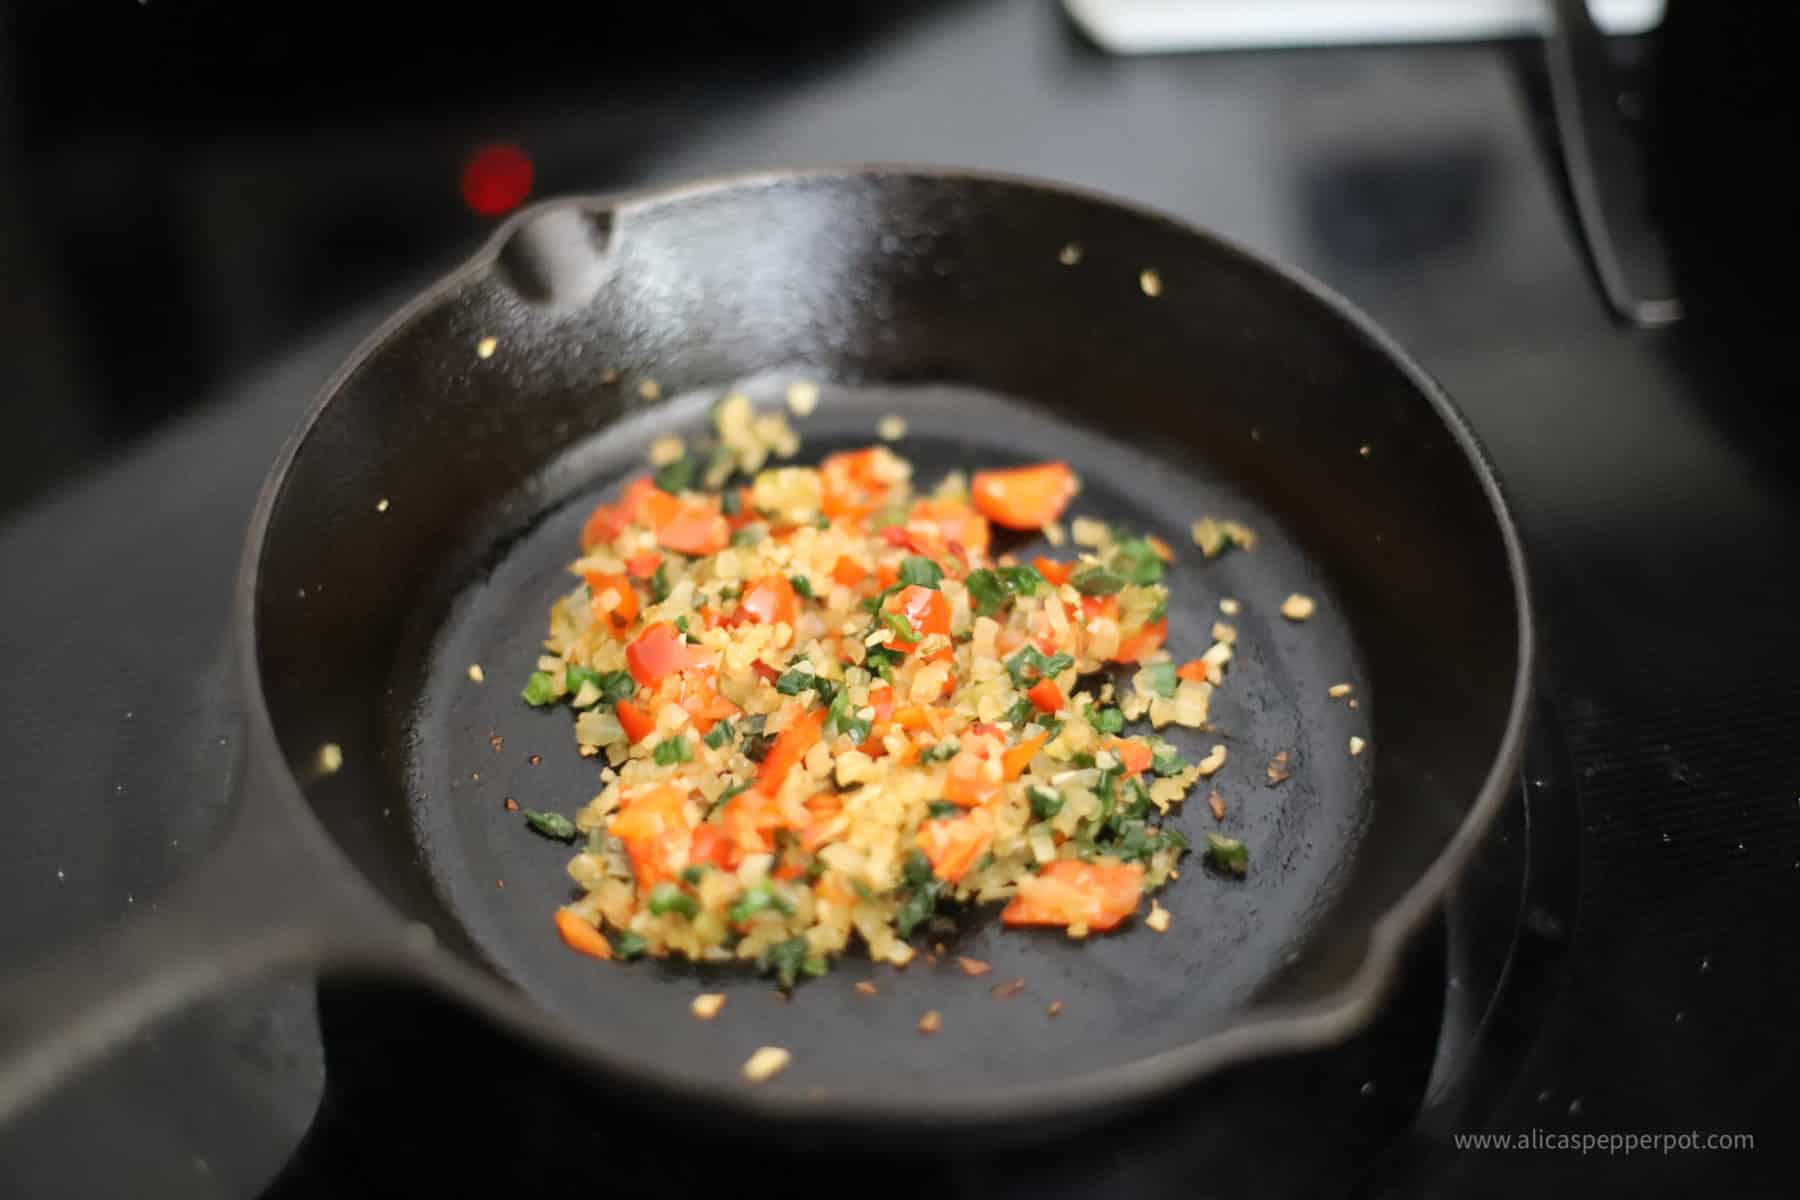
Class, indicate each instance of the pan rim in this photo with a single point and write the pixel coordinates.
(1326, 1021)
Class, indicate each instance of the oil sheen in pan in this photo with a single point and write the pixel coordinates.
(466, 747)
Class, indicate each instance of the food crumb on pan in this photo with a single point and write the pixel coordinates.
(1356, 746)
(381, 505)
(475, 673)
(1150, 282)
(766, 1063)
(973, 966)
(486, 346)
(535, 759)
(649, 389)
(510, 804)
(1006, 991)
(1055, 1009)
(1070, 254)
(931, 1022)
(1338, 691)
(1216, 802)
(1363, 450)
(1279, 769)
(802, 397)
(1353, 702)
(1297, 607)
(865, 988)
(1215, 758)
(1229, 607)
(500, 883)
(1158, 918)
(331, 757)
(1214, 536)
(891, 428)
(667, 449)
(706, 1006)
(496, 743)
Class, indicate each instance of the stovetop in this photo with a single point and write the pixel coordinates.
(1619, 961)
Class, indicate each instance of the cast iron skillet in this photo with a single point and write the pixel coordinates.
(420, 522)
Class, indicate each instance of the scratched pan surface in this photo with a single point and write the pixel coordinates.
(945, 299)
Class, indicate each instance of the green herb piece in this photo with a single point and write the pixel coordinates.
(1138, 807)
(1030, 664)
(718, 735)
(1160, 678)
(792, 683)
(903, 628)
(1098, 581)
(991, 589)
(736, 789)
(668, 898)
(918, 906)
(676, 477)
(1019, 713)
(882, 661)
(918, 571)
(821, 522)
(801, 585)
(862, 889)
(1227, 854)
(942, 751)
(1050, 725)
(681, 625)
(759, 897)
(629, 945)
(616, 686)
(540, 689)
(1161, 611)
(1137, 562)
(790, 959)
(1167, 762)
(916, 870)
(670, 751)
(940, 809)
(1106, 720)
(692, 875)
(840, 719)
(1045, 802)
(659, 583)
(554, 826)
(815, 870)
(756, 746)
(731, 502)
(575, 676)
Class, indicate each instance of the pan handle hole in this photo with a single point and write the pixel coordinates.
(558, 256)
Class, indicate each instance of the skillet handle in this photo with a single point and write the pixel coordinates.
(274, 895)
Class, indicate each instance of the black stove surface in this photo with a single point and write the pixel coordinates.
(1619, 962)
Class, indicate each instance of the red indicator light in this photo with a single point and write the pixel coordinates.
(496, 178)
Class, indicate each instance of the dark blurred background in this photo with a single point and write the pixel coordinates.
(192, 186)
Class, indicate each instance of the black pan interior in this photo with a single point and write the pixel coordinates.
(947, 301)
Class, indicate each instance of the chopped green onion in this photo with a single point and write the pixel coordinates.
(540, 689)
(1160, 677)
(718, 735)
(802, 585)
(791, 959)
(551, 825)
(944, 750)
(629, 945)
(1019, 713)
(756, 746)
(759, 897)
(1045, 802)
(659, 583)
(750, 535)
(990, 589)
(673, 750)
(903, 628)
(841, 720)
(692, 875)
(736, 789)
(731, 502)
(681, 624)
(668, 898)
(1161, 611)
(1106, 720)
(1167, 762)
(676, 477)
(942, 808)
(1227, 854)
